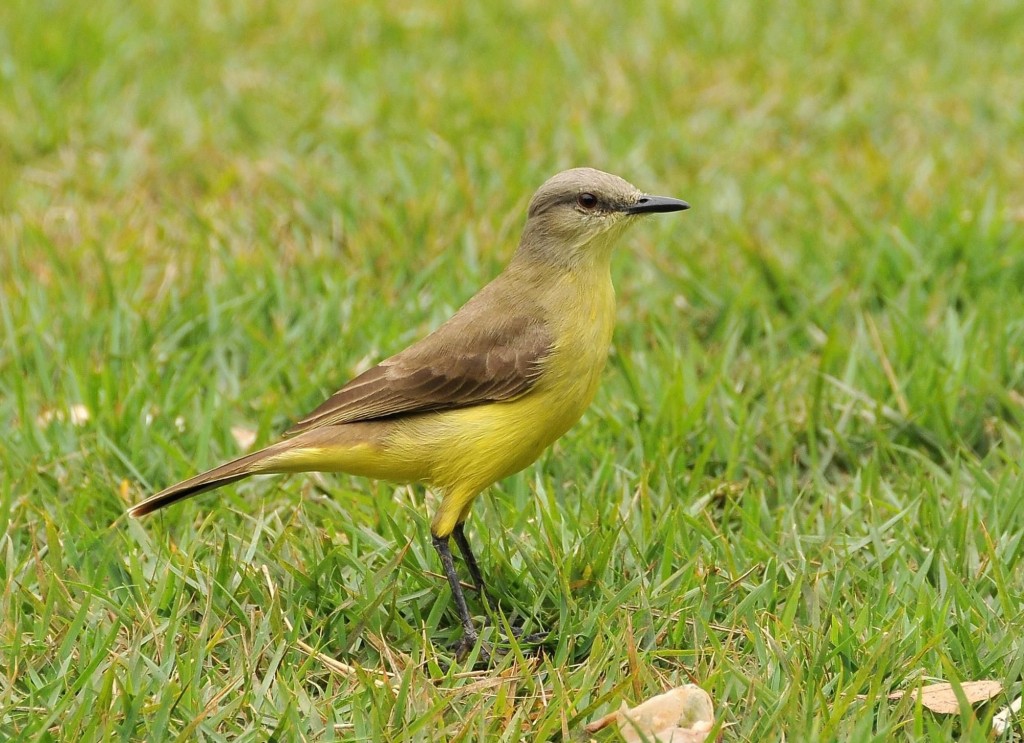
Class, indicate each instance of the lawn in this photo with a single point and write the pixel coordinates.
(800, 485)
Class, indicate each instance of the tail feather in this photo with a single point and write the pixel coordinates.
(329, 448)
(230, 472)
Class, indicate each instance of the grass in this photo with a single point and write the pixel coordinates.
(801, 481)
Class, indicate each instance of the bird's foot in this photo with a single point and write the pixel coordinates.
(463, 649)
(532, 644)
(537, 639)
(514, 623)
(497, 644)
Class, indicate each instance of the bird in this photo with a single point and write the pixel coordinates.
(482, 396)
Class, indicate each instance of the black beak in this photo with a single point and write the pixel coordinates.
(656, 205)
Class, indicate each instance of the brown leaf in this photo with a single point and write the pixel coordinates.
(682, 715)
(244, 437)
(78, 414)
(941, 699)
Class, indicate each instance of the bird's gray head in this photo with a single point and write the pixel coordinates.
(578, 213)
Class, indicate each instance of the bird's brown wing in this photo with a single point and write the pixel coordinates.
(456, 366)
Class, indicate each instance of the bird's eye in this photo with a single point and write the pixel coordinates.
(587, 200)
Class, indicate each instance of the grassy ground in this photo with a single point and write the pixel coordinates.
(801, 481)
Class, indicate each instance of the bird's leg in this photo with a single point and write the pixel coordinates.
(467, 555)
(478, 578)
(474, 569)
(469, 633)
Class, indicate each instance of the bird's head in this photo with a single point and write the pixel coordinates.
(577, 215)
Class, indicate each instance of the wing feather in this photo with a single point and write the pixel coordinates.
(456, 366)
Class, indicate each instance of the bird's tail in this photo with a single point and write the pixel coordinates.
(357, 448)
(232, 471)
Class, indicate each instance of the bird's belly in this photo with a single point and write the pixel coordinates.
(470, 448)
